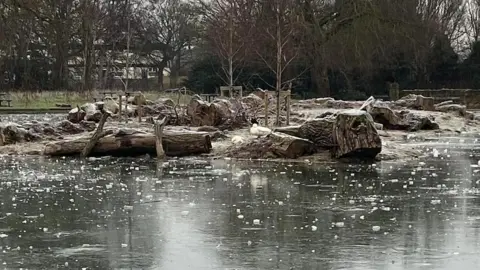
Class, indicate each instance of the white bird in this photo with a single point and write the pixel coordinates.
(257, 130)
(237, 139)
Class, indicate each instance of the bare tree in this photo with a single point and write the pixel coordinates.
(229, 25)
(167, 27)
(278, 27)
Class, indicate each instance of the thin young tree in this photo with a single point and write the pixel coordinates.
(228, 33)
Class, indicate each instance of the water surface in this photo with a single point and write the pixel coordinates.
(135, 213)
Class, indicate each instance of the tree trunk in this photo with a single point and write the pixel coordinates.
(287, 146)
(127, 143)
(291, 130)
(278, 73)
(160, 77)
(354, 135)
(320, 79)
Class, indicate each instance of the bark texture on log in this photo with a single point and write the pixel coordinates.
(319, 131)
(127, 142)
(290, 130)
(287, 146)
(354, 135)
(388, 118)
(203, 113)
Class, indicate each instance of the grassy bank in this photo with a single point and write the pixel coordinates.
(49, 99)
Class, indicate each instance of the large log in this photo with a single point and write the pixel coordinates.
(290, 130)
(287, 146)
(319, 131)
(129, 143)
(354, 135)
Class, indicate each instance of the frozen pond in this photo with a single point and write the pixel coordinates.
(114, 213)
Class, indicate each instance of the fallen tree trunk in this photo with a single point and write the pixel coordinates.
(287, 146)
(290, 130)
(354, 135)
(130, 143)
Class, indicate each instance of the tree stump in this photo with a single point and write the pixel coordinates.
(354, 135)
(287, 146)
(319, 131)
(76, 115)
(158, 127)
(425, 103)
(388, 118)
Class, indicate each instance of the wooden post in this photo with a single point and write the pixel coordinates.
(158, 127)
(139, 112)
(120, 106)
(287, 105)
(126, 106)
(266, 108)
(96, 136)
(394, 91)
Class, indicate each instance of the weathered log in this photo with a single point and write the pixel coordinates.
(216, 113)
(354, 135)
(76, 115)
(287, 146)
(388, 118)
(461, 110)
(127, 142)
(425, 103)
(96, 135)
(319, 131)
(290, 130)
(158, 127)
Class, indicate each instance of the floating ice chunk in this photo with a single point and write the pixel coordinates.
(124, 245)
(340, 224)
(256, 222)
(185, 213)
(314, 228)
(435, 202)
(240, 217)
(3, 235)
(128, 207)
(376, 228)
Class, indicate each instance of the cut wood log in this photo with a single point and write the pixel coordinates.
(158, 127)
(388, 118)
(96, 136)
(131, 142)
(319, 131)
(287, 146)
(354, 135)
(290, 130)
(425, 103)
(76, 115)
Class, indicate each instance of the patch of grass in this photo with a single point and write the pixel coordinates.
(49, 99)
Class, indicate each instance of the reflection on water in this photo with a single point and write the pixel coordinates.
(195, 214)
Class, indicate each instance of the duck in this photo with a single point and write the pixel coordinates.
(257, 130)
